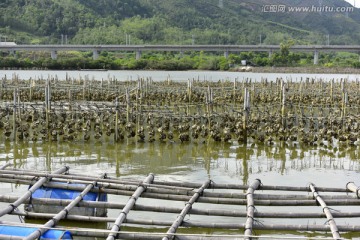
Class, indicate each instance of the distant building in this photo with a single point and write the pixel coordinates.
(8, 43)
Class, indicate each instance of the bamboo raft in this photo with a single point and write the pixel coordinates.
(231, 211)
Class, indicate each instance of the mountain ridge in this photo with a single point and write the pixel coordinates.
(176, 22)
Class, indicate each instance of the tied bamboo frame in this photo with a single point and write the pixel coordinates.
(184, 192)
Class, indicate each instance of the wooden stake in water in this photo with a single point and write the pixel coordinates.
(32, 84)
(84, 87)
(189, 89)
(345, 103)
(47, 106)
(208, 105)
(116, 119)
(1, 88)
(246, 112)
(283, 105)
(343, 98)
(14, 114)
(127, 105)
(331, 90)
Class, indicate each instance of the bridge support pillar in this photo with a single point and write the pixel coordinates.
(226, 54)
(181, 54)
(270, 53)
(95, 54)
(53, 54)
(316, 57)
(138, 55)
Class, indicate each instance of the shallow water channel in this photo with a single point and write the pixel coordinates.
(282, 164)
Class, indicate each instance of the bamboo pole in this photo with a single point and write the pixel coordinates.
(32, 84)
(4, 166)
(2, 85)
(213, 199)
(332, 91)
(86, 232)
(161, 209)
(246, 112)
(129, 205)
(153, 189)
(234, 90)
(250, 208)
(84, 88)
(127, 105)
(63, 213)
(37, 185)
(353, 188)
(189, 89)
(14, 114)
(156, 235)
(283, 105)
(330, 218)
(208, 105)
(171, 185)
(179, 220)
(7, 237)
(116, 120)
(205, 212)
(47, 105)
(346, 101)
(85, 178)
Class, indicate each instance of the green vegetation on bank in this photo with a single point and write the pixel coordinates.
(172, 22)
(173, 61)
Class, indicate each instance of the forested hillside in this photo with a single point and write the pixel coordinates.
(174, 22)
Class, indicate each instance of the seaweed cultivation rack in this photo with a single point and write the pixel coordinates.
(308, 111)
(231, 208)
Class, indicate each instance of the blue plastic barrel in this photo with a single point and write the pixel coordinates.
(66, 194)
(26, 231)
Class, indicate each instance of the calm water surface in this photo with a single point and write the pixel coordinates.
(279, 164)
(173, 75)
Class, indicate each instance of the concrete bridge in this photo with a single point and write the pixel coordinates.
(138, 49)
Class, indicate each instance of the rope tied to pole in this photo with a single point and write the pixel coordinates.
(330, 219)
(13, 207)
(66, 214)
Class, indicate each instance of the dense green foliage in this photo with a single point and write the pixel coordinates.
(171, 61)
(173, 22)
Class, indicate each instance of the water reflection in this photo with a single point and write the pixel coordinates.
(224, 162)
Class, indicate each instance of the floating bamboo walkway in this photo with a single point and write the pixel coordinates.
(173, 209)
